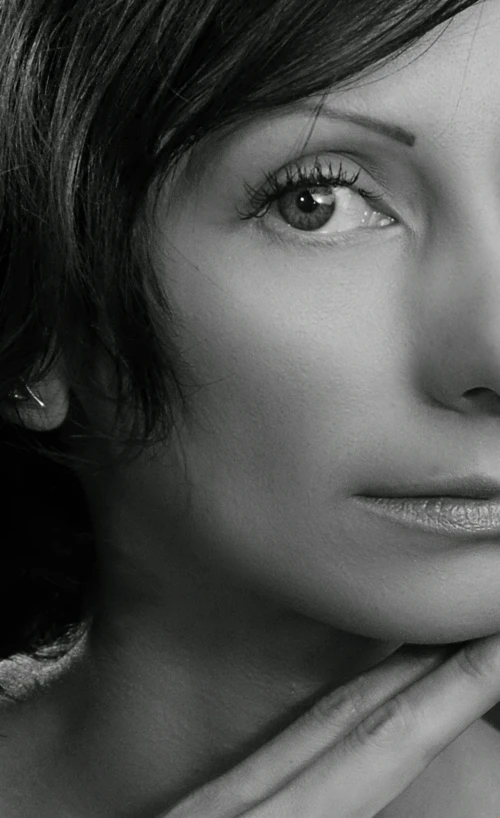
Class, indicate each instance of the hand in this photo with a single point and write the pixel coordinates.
(363, 744)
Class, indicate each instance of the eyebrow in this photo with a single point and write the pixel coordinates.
(384, 128)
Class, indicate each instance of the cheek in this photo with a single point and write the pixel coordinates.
(293, 361)
(286, 360)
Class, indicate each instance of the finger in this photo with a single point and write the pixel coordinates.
(381, 757)
(331, 718)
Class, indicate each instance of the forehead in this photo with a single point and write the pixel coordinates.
(448, 81)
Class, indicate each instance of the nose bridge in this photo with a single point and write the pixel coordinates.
(467, 232)
(474, 247)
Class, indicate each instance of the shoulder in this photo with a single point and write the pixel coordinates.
(22, 676)
(31, 729)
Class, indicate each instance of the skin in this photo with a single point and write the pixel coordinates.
(239, 579)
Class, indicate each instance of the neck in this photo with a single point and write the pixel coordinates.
(185, 675)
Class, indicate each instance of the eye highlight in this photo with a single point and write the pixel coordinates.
(320, 193)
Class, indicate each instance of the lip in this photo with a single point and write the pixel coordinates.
(465, 517)
(474, 486)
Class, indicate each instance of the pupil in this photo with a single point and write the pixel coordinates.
(307, 203)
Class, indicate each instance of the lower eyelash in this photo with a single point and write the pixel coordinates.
(261, 200)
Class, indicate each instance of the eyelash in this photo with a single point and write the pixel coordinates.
(260, 200)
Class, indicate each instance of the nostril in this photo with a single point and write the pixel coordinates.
(484, 400)
(478, 390)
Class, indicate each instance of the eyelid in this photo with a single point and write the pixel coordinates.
(400, 186)
(313, 170)
(287, 237)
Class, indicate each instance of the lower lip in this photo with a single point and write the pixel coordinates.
(453, 516)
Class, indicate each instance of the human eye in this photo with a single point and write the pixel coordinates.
(323, 201)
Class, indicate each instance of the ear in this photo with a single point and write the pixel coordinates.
(53, 391)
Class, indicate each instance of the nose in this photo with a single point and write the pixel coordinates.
(458, 321)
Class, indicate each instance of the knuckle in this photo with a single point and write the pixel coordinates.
(477, 663)
(388, 725)
(344, 706)
(344, 703)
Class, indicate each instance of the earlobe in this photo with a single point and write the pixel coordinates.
(42, 407)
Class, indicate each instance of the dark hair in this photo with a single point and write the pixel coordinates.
(99, 101)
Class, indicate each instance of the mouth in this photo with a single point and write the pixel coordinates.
(465, 508)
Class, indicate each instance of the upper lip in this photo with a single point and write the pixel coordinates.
(475, 486)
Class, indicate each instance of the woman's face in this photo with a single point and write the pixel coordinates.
(346, 348)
